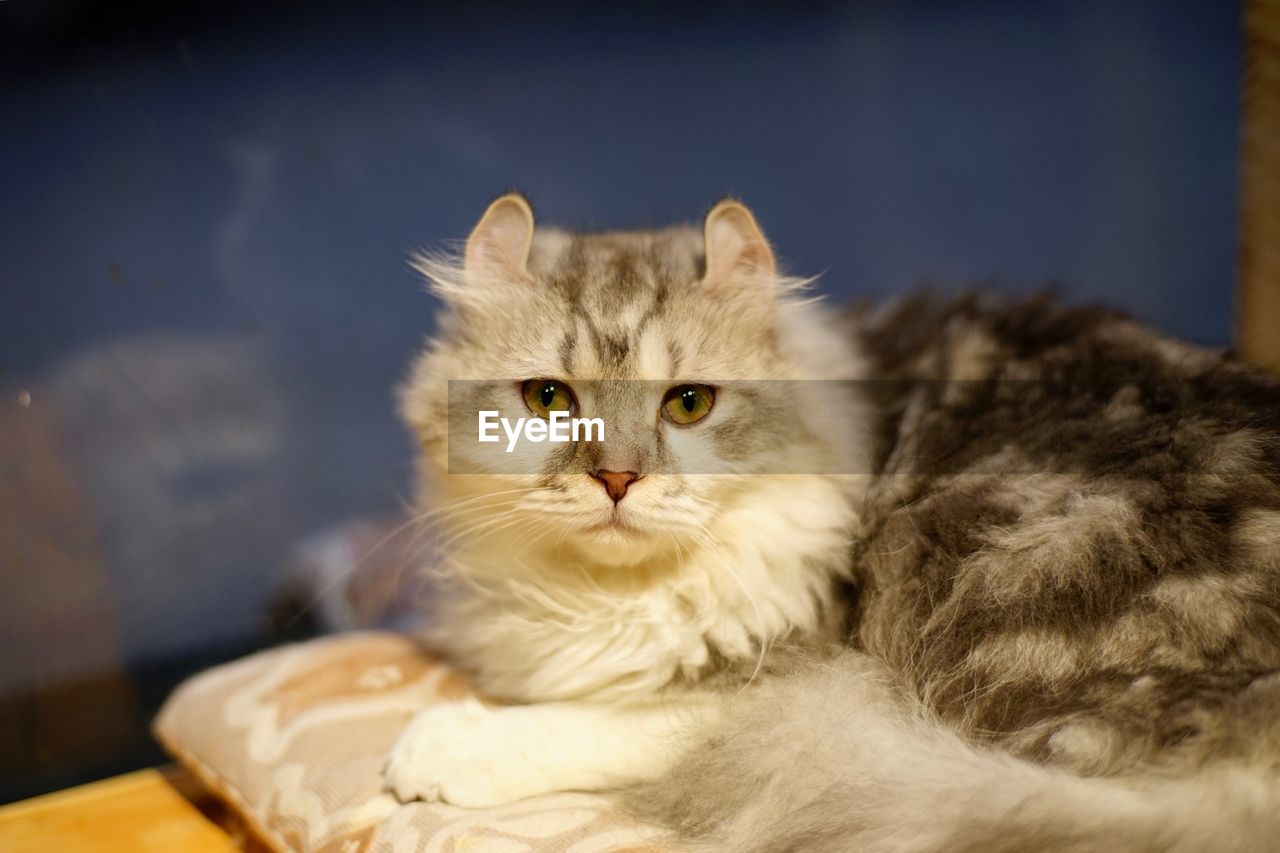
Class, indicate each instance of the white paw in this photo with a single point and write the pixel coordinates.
(469, 755)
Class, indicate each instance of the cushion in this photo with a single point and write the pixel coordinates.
(294, 739)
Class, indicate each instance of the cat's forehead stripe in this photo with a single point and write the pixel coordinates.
(674, 353)
(615, 290)
(568, 345)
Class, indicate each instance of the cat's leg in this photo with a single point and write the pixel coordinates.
(474, 755)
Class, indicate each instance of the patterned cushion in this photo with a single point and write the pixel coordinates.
(295, 738)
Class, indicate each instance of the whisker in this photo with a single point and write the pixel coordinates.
(464, 505)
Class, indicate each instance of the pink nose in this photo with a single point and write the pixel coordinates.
(616, 482)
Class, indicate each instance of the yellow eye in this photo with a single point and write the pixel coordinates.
(686, 404)
(544, 396)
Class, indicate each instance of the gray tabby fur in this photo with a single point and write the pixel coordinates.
(1052, 620)
(1064, 617)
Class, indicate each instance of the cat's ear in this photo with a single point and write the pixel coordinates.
(736, 249)
(498, 247)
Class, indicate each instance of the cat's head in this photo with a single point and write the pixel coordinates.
(686, 342)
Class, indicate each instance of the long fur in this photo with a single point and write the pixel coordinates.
(836, 757)
(1056, 604)
(731, 563)
(1066, 611)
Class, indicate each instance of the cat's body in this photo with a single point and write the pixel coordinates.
(1075, 543)
(1068, 552)
(1071, 555)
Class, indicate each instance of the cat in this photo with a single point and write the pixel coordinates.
(1021, 589)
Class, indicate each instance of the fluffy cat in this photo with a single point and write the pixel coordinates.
(1026, 593)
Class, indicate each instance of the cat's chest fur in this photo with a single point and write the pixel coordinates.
(763, 574)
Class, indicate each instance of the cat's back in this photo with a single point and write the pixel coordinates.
(1075, 544)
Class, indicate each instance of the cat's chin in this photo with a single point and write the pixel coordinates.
(614, 529)
(616, 542)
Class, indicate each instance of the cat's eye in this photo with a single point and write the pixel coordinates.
(544, 396)
(687, 404)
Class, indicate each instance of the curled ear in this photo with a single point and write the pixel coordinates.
(498, 247)
(736, 249)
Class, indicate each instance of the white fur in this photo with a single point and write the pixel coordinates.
(585, 630)
(472, 755)
(837, 759)
(564, 630)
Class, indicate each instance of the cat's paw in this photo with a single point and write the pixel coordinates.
(468, 755)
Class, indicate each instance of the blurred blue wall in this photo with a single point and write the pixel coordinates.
(203, 236)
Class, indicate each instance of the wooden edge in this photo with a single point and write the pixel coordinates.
(140, 811)
(1258, 295)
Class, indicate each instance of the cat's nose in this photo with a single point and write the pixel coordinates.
(616, 482)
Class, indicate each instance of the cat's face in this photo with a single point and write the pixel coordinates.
(675, 339)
